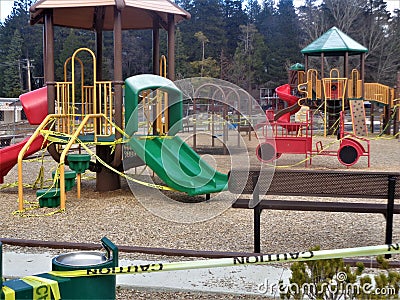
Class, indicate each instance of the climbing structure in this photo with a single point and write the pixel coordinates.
(84, 114)
(339, 89)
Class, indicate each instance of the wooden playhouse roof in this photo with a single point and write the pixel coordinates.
(136, 14)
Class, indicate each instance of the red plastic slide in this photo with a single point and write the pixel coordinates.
(9, 155)
(284, 93)
(35, 107)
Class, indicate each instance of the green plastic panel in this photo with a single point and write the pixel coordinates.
(136, 84)
(178, 165)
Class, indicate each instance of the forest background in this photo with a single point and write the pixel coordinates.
(249, 43)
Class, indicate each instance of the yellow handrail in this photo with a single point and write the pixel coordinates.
(163, 66)
(64, 154)
(21, 155)
(162, 101)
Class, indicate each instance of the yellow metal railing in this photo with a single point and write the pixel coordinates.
(301, 77)
(334, 88)
(63, 156)
(73, 137)
(94, 99)
(162, 102)
(312, 87)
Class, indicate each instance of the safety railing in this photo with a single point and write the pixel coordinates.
(312, 87)
(74, 104)
(354, 90)
(377, 92)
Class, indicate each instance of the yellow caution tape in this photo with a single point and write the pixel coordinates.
(24, 213)
(235, 261)
(43, 288)
(8, 292)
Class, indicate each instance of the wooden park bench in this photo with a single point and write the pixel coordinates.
(316, 183)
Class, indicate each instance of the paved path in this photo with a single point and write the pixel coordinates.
(232, 280)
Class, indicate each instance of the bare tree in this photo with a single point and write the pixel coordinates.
(203, 40)
(313, 21)
(346, 13)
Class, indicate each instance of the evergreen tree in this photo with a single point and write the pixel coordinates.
(181, 58)
(248, 69)
(234, 16)
(206, 68)
(32, 45)
(286, 49)
(203, 40)
(137, 54)
(265, 20)
(253, 9)
(12, 74)
(72, 42)
(207, 16)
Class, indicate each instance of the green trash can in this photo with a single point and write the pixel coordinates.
(93, 287)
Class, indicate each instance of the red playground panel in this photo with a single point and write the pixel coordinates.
(297, 138)
(35, 105)
(286, 137)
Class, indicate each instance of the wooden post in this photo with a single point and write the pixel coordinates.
(105, 180)
(49, 61)
(396, 118)
(156, 47)
(171, 47)
(362, 71)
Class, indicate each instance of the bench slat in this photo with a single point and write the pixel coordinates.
(358, 207)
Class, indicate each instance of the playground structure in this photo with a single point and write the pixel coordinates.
(341, 89)
(309, 90)
(90, 121)
(99, 17)
(89, 111)
(337, 89)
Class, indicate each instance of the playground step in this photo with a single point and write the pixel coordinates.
(78, 162)
(48, 197)
(69, 179)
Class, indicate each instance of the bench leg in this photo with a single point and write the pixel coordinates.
(257, 229)
(389, 211)
(257, 216)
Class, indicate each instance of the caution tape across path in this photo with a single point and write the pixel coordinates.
(236, 261)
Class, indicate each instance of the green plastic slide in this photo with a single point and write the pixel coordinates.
(178, 165)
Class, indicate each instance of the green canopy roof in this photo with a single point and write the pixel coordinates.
(297, 67)
(334, 43)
